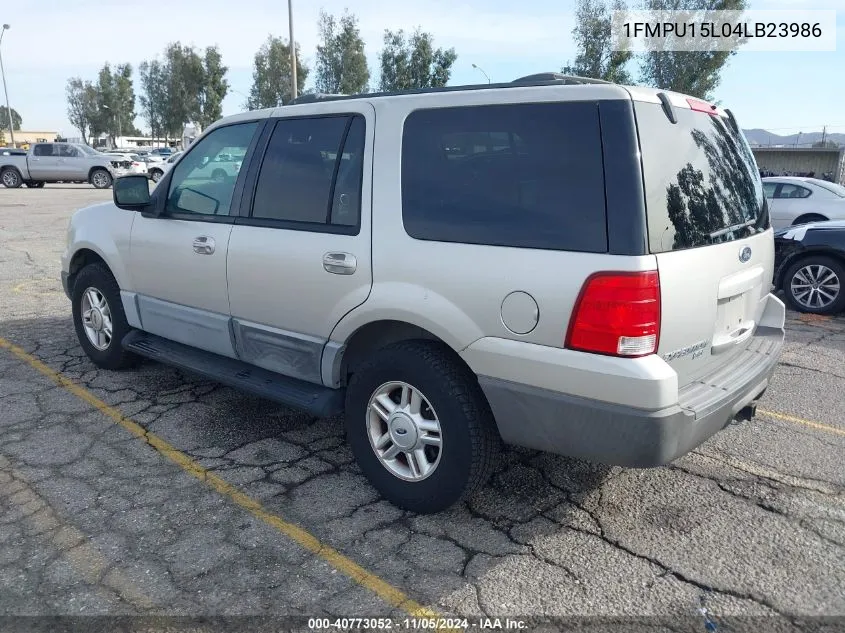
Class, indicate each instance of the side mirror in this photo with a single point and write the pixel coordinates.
(131, 192)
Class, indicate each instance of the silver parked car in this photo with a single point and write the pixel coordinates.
(794, 200)
(62, 162)
(567, 265)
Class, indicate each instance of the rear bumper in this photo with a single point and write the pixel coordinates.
(618, 435)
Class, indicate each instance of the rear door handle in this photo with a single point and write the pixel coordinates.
(204, 245)
(340, 263)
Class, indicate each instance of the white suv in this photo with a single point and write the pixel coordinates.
(563, 264)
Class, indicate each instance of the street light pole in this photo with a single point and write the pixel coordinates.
(5, 90)
(292, 52)
(482, 72)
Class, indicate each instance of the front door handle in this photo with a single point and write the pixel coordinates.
(340, 263)
(204, 245)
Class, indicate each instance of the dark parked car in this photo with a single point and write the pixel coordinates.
(810, 266)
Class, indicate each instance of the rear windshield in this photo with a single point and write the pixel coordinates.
(839, 190)
(701, 181)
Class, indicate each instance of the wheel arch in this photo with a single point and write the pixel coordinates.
(97, 168)
(83, 257)
(375, 335)
(805, 217)
(13, 168)
(811, 251)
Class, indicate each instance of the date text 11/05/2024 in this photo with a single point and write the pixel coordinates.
(717, 30)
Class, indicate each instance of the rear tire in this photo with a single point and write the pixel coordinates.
(96, 280)
(11, 178)
(809, 217)
(156, 174)
(444, 465)
(101, 179)
(218, 175)
(828, 275)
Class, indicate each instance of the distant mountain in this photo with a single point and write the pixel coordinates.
(764, 137)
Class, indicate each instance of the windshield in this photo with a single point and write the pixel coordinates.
(90, 151)
(701, 180)
(839, 190)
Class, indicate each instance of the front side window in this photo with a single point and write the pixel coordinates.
(311, 172)
(521, 175)
(204, 182)
(66, 151)
(793, 191)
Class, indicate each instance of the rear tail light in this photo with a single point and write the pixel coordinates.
(617, 314)
(136, 164)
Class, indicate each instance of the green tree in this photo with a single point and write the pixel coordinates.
(593, 37)
(183, 84)
(341, 62)
(4, 119)
(409, 62)
(81, 105)
(271, 85)
(695, 73)
(215, 86)
(115, 103)
(153, 97)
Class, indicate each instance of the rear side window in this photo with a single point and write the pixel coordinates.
(522, 175)
(788, 190)
(701, 181)
(43, 150)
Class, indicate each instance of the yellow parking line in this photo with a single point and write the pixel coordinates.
(302, 537)
(795, 420)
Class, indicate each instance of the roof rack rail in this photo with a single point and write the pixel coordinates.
(311, 97)
(558, 77)
(539, 79)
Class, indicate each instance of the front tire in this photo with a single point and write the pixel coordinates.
(99, 319)
(814, 284)
(155, 175)
(35, 185)
(101, 179)
(11, 178)
(420, 426)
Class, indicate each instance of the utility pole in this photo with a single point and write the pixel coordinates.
(824, 135)
(6, 27)
(292, 52)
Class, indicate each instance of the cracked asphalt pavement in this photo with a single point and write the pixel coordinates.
(94, 520)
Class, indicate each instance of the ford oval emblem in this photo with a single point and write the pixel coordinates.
(745, 254)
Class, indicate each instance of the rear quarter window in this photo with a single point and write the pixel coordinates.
(520, 175)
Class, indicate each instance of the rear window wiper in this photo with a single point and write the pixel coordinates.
(731, 229)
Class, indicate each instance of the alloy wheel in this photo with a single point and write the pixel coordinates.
(404, 431)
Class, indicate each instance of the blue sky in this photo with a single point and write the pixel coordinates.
(51, 40)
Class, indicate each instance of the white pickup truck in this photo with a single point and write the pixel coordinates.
(61, 162)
